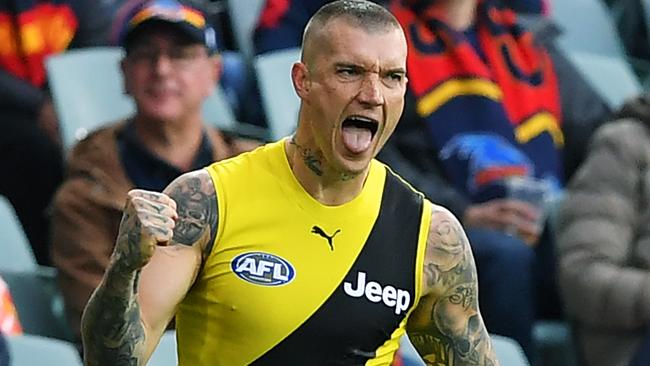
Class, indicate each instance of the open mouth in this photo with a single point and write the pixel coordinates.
(360, 122)
(358, 132)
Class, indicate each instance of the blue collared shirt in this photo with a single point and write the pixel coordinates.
(147, 170)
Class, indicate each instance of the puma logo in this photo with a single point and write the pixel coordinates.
(318, 231)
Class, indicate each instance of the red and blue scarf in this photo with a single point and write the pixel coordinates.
(30, 31)
(492, 107)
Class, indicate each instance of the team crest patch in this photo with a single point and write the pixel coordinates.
(263, 269)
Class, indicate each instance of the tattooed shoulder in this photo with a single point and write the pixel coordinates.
(196, 205)
(447, 246)
(446, 328)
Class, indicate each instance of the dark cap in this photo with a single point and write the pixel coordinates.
(192, 22)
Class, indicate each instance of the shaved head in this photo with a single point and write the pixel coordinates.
(361, 14)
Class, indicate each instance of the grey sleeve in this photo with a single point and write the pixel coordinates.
(599, 230)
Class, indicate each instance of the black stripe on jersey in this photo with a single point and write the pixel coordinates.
(347, 330)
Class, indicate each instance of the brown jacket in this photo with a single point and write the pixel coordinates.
(604, 244)
(88, 209)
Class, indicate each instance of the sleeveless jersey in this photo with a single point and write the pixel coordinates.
(290, 281)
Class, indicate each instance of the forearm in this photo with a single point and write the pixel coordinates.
(112, 329)
(438, 349)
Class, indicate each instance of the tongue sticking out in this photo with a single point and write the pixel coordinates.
(356, 139)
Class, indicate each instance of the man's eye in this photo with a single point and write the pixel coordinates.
(348, 72)
(393, 79)
(395, 76)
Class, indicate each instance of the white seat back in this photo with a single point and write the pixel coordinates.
(41, 351)
(16, 252)
(243, 16)
(165, 353)
(508, 351)
(87, 90)
(587, 27)
(279, 99)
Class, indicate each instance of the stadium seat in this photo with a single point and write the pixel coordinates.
(280, 102)
(165, 353)
(87, 90)
(611, 77)
(592, 44)
(34, 350)
(410, 356)
(243, 17)
(16, 252)
(38, 302)
(593, 31)
(508, 351)
(554, 344)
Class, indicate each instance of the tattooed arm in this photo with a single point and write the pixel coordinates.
(161, 243)
(446, 328)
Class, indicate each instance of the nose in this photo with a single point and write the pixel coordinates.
(371, 93)
(162, 64)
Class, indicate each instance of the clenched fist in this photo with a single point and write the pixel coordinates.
(148, 220)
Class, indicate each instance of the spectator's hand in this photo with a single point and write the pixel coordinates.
(148, 220)
(512, 216)
(48, 121)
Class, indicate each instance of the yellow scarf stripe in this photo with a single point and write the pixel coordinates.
(456, 87)
(537, 124)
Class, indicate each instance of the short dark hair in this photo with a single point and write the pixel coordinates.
(361, 13)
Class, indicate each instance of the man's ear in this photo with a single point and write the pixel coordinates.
(216, 66)
(300, 79)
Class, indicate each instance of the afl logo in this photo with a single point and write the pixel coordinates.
(263, 269)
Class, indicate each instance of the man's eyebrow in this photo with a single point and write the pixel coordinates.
(349, 65)
(397, 70)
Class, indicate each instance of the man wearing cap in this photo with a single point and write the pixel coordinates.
(169, 69)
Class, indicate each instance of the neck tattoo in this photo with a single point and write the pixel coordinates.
(312, 161)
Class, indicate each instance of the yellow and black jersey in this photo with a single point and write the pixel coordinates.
(290, 281)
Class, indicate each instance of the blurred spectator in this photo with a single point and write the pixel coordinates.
(281, 23)
(30, 154)
(169, 69)
(9, 323)
(604, 242)
(95, 20)
(486, 105)
(528, 6)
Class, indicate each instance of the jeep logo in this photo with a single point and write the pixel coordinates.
(263, 269)
(389, 295)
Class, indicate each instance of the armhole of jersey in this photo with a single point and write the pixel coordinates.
(425, 223)
(221, 203)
